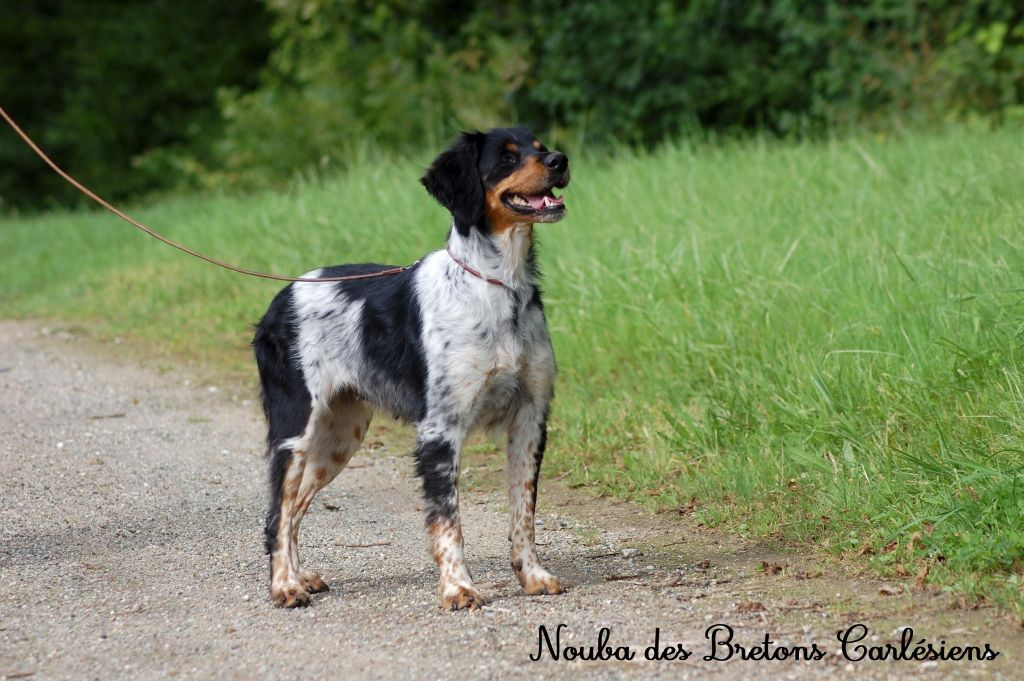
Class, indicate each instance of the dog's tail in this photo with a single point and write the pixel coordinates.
(286, 401)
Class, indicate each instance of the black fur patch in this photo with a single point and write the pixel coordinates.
(435, 459)
(454, 180)
(392, 331)
(538, 457)
(535, 298)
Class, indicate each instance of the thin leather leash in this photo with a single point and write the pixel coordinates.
(185, 249)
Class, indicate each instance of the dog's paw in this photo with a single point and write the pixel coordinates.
(542, 583)
(289, 596)
(313, 582)
(462, 598)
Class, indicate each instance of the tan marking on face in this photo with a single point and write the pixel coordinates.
(340, 456)
(531, 177)
(536, 145)
(511, 147)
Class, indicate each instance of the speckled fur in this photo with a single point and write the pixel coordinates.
(434, 345)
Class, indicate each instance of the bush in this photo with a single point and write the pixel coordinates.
(131, 106)
(103, 85)
(405, 74)
(398, 74)
(644, 72)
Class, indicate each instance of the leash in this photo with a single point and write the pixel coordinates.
(185, 249)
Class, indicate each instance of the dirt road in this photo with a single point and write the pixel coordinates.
(131, 498)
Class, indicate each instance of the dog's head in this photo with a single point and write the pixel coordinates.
(498, 179)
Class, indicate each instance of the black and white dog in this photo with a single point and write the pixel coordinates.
(454, 342)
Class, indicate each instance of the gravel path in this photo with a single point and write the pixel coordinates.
(130, 505)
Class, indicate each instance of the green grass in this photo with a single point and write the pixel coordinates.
(821, 342)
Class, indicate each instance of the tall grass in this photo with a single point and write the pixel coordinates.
(818, 341)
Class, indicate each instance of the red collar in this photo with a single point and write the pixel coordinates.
(496, 282)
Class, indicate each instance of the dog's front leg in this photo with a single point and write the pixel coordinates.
(527, 438)
(437, 463)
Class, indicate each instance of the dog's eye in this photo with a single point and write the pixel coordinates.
(508, 159)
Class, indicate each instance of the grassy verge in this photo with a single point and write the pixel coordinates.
(818, 342)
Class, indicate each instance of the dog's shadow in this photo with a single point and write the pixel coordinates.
(578, 569)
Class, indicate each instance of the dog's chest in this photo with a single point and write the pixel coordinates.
(483, 347)
(503, 360)
(490, 345)
(499, 384)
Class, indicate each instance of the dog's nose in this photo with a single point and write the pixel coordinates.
(556, 161)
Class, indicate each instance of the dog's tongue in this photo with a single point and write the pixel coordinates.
(538, 201)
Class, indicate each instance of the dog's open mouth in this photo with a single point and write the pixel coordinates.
(529, 204)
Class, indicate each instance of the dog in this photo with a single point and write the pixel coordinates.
(454, 342)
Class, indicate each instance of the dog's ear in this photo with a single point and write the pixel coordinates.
(454, 180)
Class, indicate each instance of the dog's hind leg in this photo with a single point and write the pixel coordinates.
(335, 437)
(287, 466)
(288, 407)
(332, 435)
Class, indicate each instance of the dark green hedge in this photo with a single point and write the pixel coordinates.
(407, 73)
(111, 87)
(139, 95)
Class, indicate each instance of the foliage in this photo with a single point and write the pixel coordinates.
(132, 106)
(647, 71)
(644, 72)
(406, 73)
(112, 89)
(395, 74)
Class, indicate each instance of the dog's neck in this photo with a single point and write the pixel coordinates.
(506, 256)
